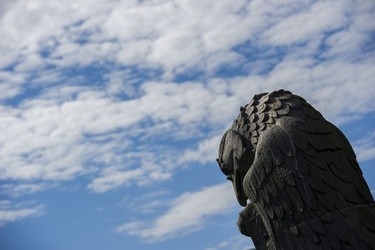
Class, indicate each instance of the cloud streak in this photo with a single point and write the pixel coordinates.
(10, 212)
(365, 148)
(188, 213)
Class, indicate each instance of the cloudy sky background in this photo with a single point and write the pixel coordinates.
(111, 111)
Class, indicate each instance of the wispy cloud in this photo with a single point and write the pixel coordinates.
(234, 242)
(10, 212)
(177, 37)
(206, 151)
(318, 18)
(365, 147)
(14, 190)
(61, 137)
(188, 213)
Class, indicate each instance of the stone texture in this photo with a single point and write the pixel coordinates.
(301, 176)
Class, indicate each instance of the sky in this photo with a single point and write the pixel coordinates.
(111, 112)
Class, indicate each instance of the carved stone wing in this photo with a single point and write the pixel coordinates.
(307, 186)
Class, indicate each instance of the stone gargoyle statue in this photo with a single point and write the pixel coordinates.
(297, 177)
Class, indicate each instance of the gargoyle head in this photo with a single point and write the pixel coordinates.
(236, 155)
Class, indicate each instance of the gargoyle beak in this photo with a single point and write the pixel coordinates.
(238, 187)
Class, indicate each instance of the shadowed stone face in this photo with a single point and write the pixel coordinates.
(235, 158)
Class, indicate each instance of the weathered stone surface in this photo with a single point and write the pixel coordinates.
(300, 173)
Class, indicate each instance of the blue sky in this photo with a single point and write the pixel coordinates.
(111, 111)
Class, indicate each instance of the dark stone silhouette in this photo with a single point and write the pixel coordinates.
(300, 173)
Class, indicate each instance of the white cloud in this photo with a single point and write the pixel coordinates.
(328, 86)
(31, 62)
(366, 153)
(234, 243)
(10, 212)
(9, 216)
(365, 147)
(14, 190)
(113, 178)
(146, 203)
(29, 23)
(322, 16)
(188, 213)
(206, 151)
(176, 36)
(69, 130)
(139, 167)
(10, 84)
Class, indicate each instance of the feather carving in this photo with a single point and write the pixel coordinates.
(301, 175)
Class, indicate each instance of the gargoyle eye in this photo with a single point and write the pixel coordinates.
(226, 165)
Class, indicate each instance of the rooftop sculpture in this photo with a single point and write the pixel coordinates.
(297, 177)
